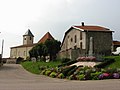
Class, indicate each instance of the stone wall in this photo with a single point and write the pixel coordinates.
(102, 42)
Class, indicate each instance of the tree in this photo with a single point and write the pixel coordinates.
(53, 47)
(33, 52)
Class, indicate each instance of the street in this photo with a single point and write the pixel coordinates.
(14, 77)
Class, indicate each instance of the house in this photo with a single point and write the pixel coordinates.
(86, 40)
(115, 45)
(28, 39)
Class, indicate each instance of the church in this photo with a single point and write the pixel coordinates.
(28, 39)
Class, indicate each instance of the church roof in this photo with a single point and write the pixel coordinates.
(28, 33)
(47, 36)
(21, 46)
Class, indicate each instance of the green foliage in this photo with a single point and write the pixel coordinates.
(53, 74)
(43, 72)
(72, 77)
(61, 76)
(72, 71)
(80, 77)
(65, 60)
(94, 76)
(48, 72)
(66, 70)
(19, 60)
(54, 45)
(106, 62)
(44, 49)
(115, 64)
(37, 67)
(68, 63)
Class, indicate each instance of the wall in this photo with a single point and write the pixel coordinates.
(102, 42)
(20, 52)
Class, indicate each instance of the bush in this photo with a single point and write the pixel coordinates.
(19, 60)
(72, 77)
(53, 74)
(43, 72)
(41, 68)
(106, 62)
(72, 70)
(66, 70)
(65, 60)
(81, 77)
(61, 75)
(68, 63)
(94, 76)
(48, 72)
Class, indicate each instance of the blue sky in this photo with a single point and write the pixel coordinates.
(55, 16)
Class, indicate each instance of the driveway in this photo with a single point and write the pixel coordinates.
(14, 77)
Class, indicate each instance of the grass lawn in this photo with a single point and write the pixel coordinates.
(116, 64)
(34, 67)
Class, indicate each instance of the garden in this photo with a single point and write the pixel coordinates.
(63, 69)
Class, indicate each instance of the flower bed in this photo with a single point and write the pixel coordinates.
(82, 73)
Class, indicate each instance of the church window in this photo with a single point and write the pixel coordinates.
(24, 38)
(71, 39)
(80, 45)
(75, 38)
(80, 35)
(30, 38)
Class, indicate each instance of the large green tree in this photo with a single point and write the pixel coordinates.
(50, 47)
(53, 47)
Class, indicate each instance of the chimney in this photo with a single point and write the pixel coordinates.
(83, 24)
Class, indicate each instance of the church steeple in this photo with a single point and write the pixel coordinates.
(28, 38)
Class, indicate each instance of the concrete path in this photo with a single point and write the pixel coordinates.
(14, 77)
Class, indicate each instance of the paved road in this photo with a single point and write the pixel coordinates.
(14, 77)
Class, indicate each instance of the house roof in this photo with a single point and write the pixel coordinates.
(87, 28)
(20, 46)
(116, 42)
(92, 28)
(47, 36)
(28, 33)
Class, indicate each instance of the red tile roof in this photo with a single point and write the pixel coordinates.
(116, 42)
(29, 45)
(92, 28)
(45, 37)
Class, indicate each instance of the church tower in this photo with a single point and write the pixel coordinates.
(28, 38)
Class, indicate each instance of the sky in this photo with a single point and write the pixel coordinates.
(54, 16)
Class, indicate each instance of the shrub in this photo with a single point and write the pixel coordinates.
(106, 62)
(116, 75)
(81, 77)
(72, 77)
(94, 76)
(19, 60)
(53, 74)
(68, 63)
(61, 75)
(65, 60)
(42, 68)
(43, 72)
(66, 70)
(48, 72)
(104, 76)
(72, 70)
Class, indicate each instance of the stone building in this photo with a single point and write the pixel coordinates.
(86, 40)
(28, 39)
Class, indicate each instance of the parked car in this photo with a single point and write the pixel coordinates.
(117, 52)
